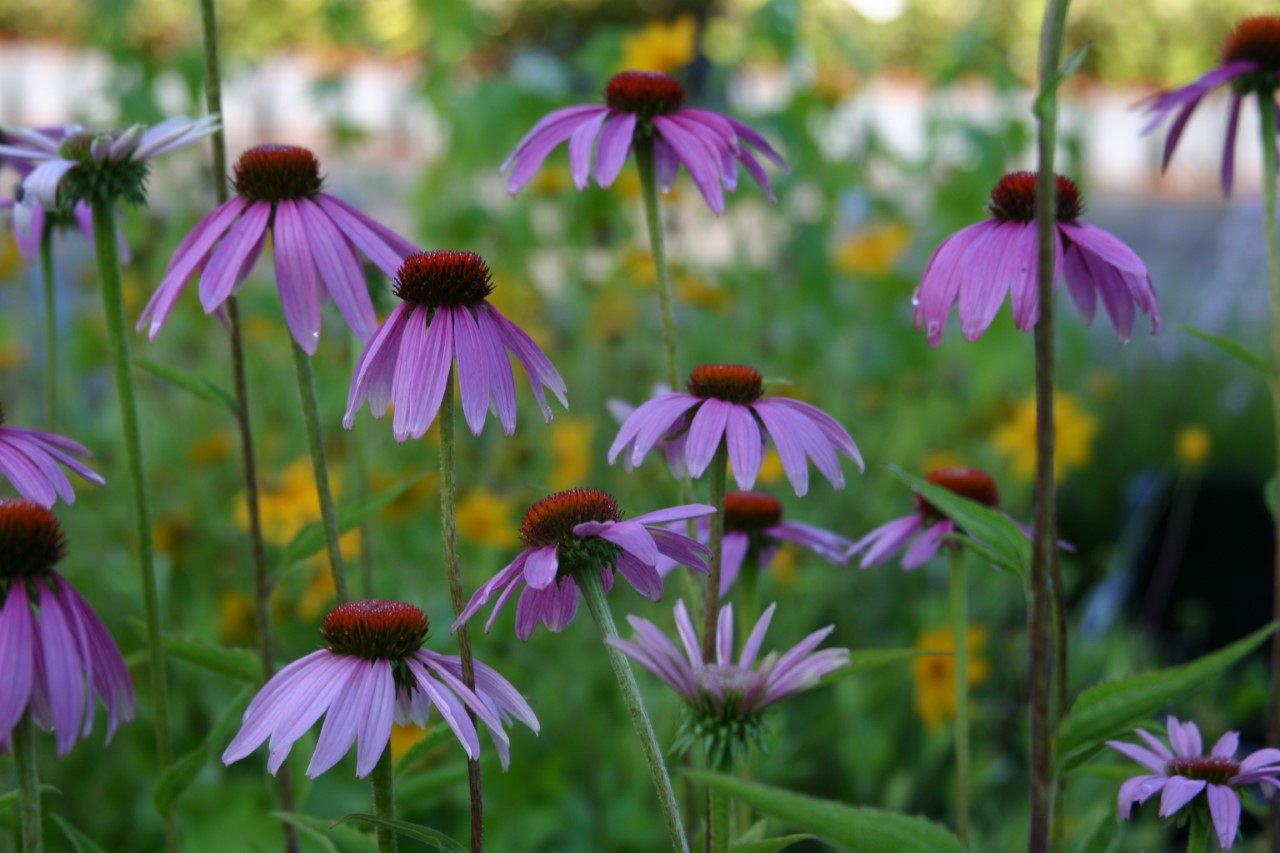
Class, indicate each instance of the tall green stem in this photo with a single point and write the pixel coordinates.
(449, 525)
(749, 592)
(593, 591)
(718, 474)
(328, 515)
(25, 759)
(960, 631)
(719, 806)
(1046, 535)
(653, 218)
(48, 281)
(104, 239)
(1198, 833)
(360, 491)
(244, 425)
(1268, 114)
(384, 800)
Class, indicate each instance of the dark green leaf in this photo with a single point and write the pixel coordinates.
(197, 385)
(1110, 709)
(1047, 92)
(425, 834)
(869, 659)
(333, 837)
(437, 736)
(864, 830)
(10, 798)
(80, 842)
(1269, 495)
(1105, 835)
(184, 771)
(1232, 348)
(309, 541)
(768, 845)
(241, 664)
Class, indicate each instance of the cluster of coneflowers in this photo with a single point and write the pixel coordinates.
(373, 669)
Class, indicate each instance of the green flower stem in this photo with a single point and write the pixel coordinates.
(50, 328)
(384, 800)
(719, 805)
(249, 465)
(449, 526)
(1046, 536)
(360, 491)
(1198, 833)
(653, 218)
(593, 591)
(960, 631)
(718, 474)
(104, 239)
(25, 760)
(328, 515)
(1266, 106)
(749, 593)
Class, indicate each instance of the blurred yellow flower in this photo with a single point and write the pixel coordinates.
(570, 452)
(173, 529)
(613, 317)
(319, 592)
(783, 567)
(211, 448)
(1194, 445)
(425, 490)
(12, 355)
(771, 470)
(288, 507)
(235, 616)
(403, 738)
(934, 459)
(637, 267)
(10, 258)
(935, 675)
(661, 46)
(486, 517)
(1073, 447)
(833, 83)
(551, 179)
(874, 250)
(694, 290)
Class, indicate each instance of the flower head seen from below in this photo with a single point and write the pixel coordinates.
(444, 317)
(725, 402)
(73, 164)
(927, 524)
(56, 653)
(650, 106)
(583, 530)
(32, 462)
(976, 266)
(935, 674)
(315, 242)
(727, 699)
(374, 673)
(1075, 430)
(1250, 62)
(1180, 775)
(753, 525)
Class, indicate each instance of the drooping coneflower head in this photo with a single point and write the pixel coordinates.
(1215, 771)
(966, 482)
(1014, 198)
(645, 93)
(551, 520)
(31, 540)
(732, 383)
(1254, 39)
(76, 146)
(751, 512)
(274, 173)
(95, 179)
(375, 630)
(444, 279)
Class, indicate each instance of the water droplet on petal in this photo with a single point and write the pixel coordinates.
(933, 328)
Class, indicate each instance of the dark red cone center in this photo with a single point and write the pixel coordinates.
(376, 630)
(751, 512)
(645, 93)
(733, 383)
(551, 520)
(966, 482)
(1216, 771)
(275, 173)
(31, 540)
(1255, 39)
(1014, 198)
(444, 279)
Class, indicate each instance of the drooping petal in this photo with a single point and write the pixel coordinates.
(18, 639)
(988, 268)
(220, 273)
(1138, 789)
(649, 423)
(1178, 791)
(296, 276)
(540, 567)
(643, 576)
(473, 368)
(581, 143)
(455, 716)
(535, 362)
(886, 539)
(347, 715)
(539, 144)
(1145, 757)
(1229, 146)
(733, 550)
(746, 445)
(376, 368)
(505, 577)
(384, 247)
(926, 545)
(340, 270)
(502, 385)
(64, 669)
(701, 162)
(790, 448)
(706, 431)
(830, 546)
(1224, 808)
(940, 283)
(426, 356)
(613, 148)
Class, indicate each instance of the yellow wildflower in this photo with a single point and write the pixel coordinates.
(12, 355)
(211, 448)
(571, 452)
(1073, 446)
(485, 516)
(403, 738)
(935, 459)
(1194, 444)
(661, 46)
(287, 508)
(10, 258)
(935, 675)
(783, 567)
(235, 616)
(693, 290)
(771, 470)
(552, 179)
(874, 250)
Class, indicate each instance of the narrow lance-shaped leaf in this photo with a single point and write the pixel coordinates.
(309, 541)
(197, 385)
(181, 773)
(425, 834)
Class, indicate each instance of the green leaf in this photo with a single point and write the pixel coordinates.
(241, 664)
(1110, 709)
(869, 659)
(1105, 835)
(999, 539)
(309, 541)
(80, 842)
(1232, 348)
(864, 830)
(425, 834)
(1048, 91)
(197, 385)
(437, 736)
(184, 771)
(333, 837)
(9, 799)
(768, 845)
(1269, 495)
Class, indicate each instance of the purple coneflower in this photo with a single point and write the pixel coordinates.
(707, 144)
(889, 538)
(583, 530)
(1250, 63)
(29, 223)
(1181, 774)
(54, 664)
(724, 402)
(374, 673)
(31, 459)
(727, 699)
(976, 266)
(445, 316)
(278, 192)
(753, 522)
